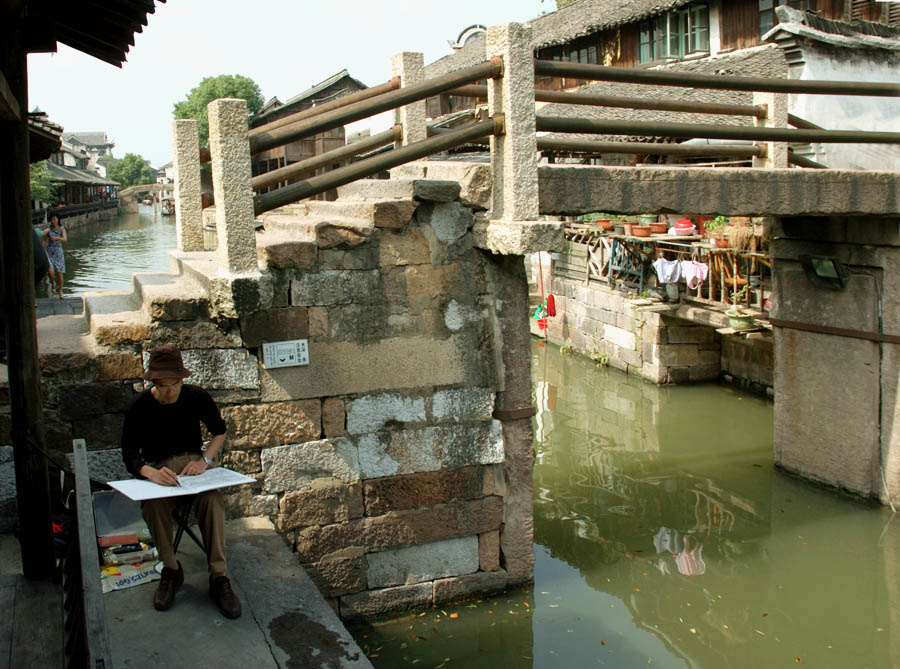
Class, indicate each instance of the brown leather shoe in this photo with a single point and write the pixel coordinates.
(221, 593)
(171, 580)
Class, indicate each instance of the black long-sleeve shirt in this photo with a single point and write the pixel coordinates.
(155, 431)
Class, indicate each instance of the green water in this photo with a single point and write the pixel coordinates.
(664, 537)
(103, 256)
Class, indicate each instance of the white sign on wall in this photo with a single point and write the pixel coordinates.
(286, 353)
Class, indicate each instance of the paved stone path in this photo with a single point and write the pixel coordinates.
(53, 306)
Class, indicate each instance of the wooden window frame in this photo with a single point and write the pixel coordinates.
(674, 35)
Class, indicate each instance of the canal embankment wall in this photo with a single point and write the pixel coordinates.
(662, 342)
(398, 462)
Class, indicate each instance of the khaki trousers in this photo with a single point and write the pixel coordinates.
(209, 509)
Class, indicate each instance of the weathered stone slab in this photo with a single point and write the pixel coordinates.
(333, 417)
(246, 500)
(432, 190)
(278, 250)
(291, 467)
(414, 491)
(340, 573)
(245, 462)
(92, 399)
(518, 238)
(458, 315)
(432, 448)
(318, 322)
(480, 583)
(489, 551)
(335, 287)
(407, 528)
(572, 189)
(273, 423)
(101, 431)
(427, 285)
(194, 335)
(347, 233)
(119, 366)
(321, 502)
(409, 247)
(394, 214)
(370, 413)
(389, 364)
(375, 602)
(449, 220)
(104, 465)
(220, 369)
(274, 325)
(416, 564)
(462, 404)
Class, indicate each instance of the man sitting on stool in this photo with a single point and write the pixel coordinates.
(161, 440)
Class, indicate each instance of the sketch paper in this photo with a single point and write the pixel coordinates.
(211, 479)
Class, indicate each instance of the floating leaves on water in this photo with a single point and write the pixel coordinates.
(444, 612)
(553, 606)
(764, 615)
(798, 660)
(760, 633)
(602, 642)
(490, 612)
(527, 605)
(454, 616)
(693, 630)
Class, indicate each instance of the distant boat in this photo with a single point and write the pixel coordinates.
(167, 208)
(147, 201)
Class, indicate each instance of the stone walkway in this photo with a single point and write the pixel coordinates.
(53, 306)
(285, 620)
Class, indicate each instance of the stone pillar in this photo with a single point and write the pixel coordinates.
(188, 204)
(514, 154)
(410, 67)
(506, 277)
(232, 186)
(776, 105)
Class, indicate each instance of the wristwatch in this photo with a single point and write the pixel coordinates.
(207, 460)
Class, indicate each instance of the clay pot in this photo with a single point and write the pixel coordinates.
(629, 227)
(722, 242)
(658, 228)
(641, 231)
(605, 224)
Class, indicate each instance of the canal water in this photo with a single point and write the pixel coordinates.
(664, 537)
(103, 256)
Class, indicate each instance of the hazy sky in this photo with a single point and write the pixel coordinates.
(285, 46)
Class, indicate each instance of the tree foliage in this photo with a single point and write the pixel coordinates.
(43, 189)
(130, 170)
(213, 88)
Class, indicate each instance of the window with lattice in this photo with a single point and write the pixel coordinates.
(675, 34)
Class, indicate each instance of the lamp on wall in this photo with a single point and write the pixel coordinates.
(825, 271)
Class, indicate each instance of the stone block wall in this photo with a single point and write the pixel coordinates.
(380, 461)
(635, 335)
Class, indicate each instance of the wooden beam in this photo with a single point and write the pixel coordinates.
(17, 259)
(9, 106)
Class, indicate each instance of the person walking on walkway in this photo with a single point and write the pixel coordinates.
(161, 440)
(56, 237)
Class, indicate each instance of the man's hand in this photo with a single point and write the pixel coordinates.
(194, 467)
(162, 476)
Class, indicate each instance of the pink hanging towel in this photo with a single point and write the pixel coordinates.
(694, 273)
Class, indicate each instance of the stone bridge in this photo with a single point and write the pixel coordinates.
(128, 197)
(398, 460)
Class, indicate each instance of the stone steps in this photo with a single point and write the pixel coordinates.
(169, 297)
(115, 317)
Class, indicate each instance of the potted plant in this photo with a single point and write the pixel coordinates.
(715, 230)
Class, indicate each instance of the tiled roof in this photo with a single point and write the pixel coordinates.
(580, 18)
(767, 60)
(275, 105)
(88, 138)
(76, 175)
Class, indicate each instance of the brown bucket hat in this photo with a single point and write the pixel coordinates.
(165, 362)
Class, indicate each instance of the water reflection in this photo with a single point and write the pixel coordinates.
(103, 256)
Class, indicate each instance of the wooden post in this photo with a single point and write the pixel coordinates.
(16, 256)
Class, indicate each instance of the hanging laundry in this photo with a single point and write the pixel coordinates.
(690, 560)
(694, 273)
(668, 271)
(551, 305)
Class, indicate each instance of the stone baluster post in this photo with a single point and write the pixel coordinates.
(188, 204)
(232, 187)
(514, 154)
(776, 105)
(410, 67)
